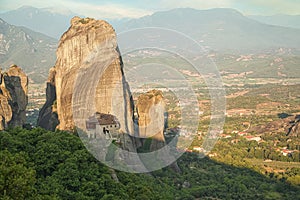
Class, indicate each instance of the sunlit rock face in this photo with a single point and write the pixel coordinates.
(83, 38)
(13, 97)
(151, 124)
(88, 78)
(89, 63)
(151, 109)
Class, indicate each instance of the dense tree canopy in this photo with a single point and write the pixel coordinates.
(37, 164)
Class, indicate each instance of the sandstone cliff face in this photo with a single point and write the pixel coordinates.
(88, 51)
(88, 78)
(13, 97)
(151, 123)
(87, 43)
(150, 109)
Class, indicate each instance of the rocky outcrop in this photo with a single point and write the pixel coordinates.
(87, 43)
(88, 74)
(88, 78)
(288, 125)
(294, 127)
(48, 118)
(13, 97)
(151, 125)
(150, 110)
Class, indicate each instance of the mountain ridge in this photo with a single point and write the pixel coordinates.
(220, 29)
(217, 30)
(34, 51)
(290, 21)
(49, 21)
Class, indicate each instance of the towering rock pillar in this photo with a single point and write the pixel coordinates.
(13, 97)
(88, 81)
(151, 108)
(88, 53)
(151, 121)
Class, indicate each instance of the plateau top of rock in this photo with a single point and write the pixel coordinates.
(84, 25)
(155, 95)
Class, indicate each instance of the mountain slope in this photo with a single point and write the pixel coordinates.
(32, 51)
(221, 29)
(49, 21)
(292, 21)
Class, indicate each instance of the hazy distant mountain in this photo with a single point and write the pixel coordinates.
(224, 30)
(49, 21)
(34, 52)
(220, 29)
(118, 22)
(292, 21)
(216, 29)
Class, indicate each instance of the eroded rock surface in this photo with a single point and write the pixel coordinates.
(89, 46)
(13, 97)
(88, 78)
(151, 109)
(151, 124)
(88, 75)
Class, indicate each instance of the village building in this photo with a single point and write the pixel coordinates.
(242, 133)
(286, 152)
(199, 149)
(102, 125)
(253, 138)
(225, 136)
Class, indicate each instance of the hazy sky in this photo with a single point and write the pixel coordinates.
(137, 8)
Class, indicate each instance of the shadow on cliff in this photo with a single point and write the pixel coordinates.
(126, 91)
(48, 118)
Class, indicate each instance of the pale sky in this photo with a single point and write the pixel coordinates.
(138, 8)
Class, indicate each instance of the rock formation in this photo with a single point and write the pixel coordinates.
(88, 78)
(289, 125)
(89, 46)
(294, 127)
(87, 75)
(151, 109)
(151, 124)
(48, 118)
(13, 97)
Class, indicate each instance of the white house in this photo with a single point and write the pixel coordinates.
(102, 125)
(253, 138)
(199, 149)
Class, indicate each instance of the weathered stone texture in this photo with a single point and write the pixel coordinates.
(13, 97)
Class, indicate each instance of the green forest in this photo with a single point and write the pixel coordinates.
(38, 164)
